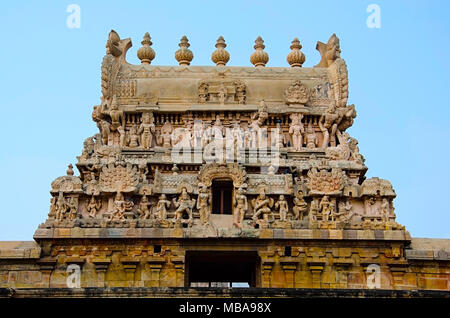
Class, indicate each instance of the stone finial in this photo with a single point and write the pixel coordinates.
(296, 57)
(220, 56)
(69, 170)
(184, 56)
(259, 58)
(146, 54)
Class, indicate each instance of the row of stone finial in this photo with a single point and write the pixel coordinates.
(220, 56)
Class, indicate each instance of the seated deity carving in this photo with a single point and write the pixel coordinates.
(262, 206)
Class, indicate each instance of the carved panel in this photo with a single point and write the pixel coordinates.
(222, 91)
(326, 182)
(119, 178)
(273, 184)
(212, 171)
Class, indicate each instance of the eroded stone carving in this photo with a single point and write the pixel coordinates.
(326, 182)
(297, 93)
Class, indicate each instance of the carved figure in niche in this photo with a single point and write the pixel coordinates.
(262, 205)
(280, 138)
(222, 94)
(184, 137)
(203, 203)
(166, 135)
(52, 211)
(144, 208)
(255, 131)
(122, 136)
(120, 206)
(240, 206)
(300, 208)
(143, 171)
(325, 208)
(134, 137)
(92, 186)
(328, 126)
(238, 137)
(314, 209)
(247, 137)
(344, 209)
(198, 135)
(161, 207)
(183, 204)
(311, 137)
(61, 207)
(203, 93)
(217, 129)
(297, 93)
(146, 130)
(88, 148)
(385, 211)
(117, 117)
(354, 151)
(93, 206)
(283, 207)
(296, 130)
(73, 208)
(240, 91)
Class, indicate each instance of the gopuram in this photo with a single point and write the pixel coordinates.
(222, 176)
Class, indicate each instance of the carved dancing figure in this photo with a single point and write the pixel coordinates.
(93, 207)
(283, 207)
(161, 207)
(183, 204)
(120, 206)
(262, 205)
(144, 209)
(240, 206)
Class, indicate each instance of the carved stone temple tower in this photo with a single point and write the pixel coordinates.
(222, 175)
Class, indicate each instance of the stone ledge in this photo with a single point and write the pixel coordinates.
(19, 250)
(180, 292)
(186, 233)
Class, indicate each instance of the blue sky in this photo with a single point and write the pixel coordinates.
(399, 81)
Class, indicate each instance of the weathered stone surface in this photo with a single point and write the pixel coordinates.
(252, 162)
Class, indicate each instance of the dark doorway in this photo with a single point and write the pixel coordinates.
(222, 192)
(226, 269)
